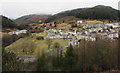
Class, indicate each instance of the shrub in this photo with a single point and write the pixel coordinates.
(40, 38)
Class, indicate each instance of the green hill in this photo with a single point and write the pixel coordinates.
(66, 19)
(99, 12)
(30, 46)
(7, 23)
(33, 18)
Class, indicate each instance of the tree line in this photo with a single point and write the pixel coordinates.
(88, 56)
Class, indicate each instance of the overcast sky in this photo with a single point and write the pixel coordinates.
(15, 8)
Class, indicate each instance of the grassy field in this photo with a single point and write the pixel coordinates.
(88, 22)
(40, 34)
(93, 21)
(30, 43)
(64, 26)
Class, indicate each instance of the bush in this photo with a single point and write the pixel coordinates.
(72, 22)
(40, 38)
(10, 62)
(23, 26)
(41, 63)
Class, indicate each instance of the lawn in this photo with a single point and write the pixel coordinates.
(93, 21)
(64, 26)
(40, 34)
(38, 46)
(87, 22)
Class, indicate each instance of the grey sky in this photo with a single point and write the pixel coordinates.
(15, 9)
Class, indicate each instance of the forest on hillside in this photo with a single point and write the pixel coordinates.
(98, 12)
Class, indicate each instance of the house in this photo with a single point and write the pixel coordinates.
(54, 37)
(113, 35)
(17, 32)
(114, 25)
(79, 21)
(89, 38)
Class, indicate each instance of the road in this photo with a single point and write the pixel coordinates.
(27, 59)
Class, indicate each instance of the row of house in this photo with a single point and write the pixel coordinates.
(113, 25)
(60, 34)
(104, 31)
(95, 25)
(18, 32)
(89, 33)
(93, 36)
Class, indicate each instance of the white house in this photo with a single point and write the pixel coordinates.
(17, 32)
(114, 25)
(79, 21)
(113, 35)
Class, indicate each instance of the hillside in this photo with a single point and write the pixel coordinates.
(98, 12)
(66, 19)
(30, 46)
(33, 18)
(7, 23)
